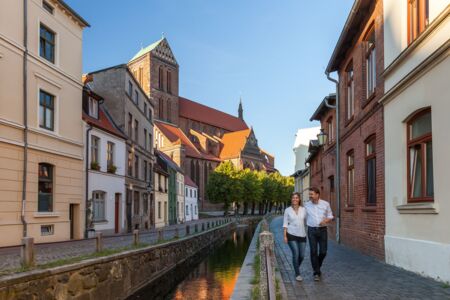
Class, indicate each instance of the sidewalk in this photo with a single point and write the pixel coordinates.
(45, 253)
(348, 274)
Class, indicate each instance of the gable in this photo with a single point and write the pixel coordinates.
(251, 145)
(164, 52)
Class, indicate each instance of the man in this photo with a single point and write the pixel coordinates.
(318, 215)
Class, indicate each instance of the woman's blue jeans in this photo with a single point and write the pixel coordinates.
(298, 253)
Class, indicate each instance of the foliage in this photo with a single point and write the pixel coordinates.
(229, 185)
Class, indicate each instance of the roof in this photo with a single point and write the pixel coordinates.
(169, 161)
(313, 149)
(175, 134)
(234, 143)
(195, 111)
(74, 13)
(147, 49)
(323, 107)
(189, 182)
(103, 123)
(357, 15)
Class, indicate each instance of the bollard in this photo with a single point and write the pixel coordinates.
(188, 230)
(267, 266)
(196, 228)
(98, 242)
(160, 235)
(135, 237)
(203, 226)
(177, 234)
(27, 252)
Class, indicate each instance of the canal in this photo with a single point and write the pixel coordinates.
(216, 275)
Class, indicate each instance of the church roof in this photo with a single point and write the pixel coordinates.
(147, 49)
(189, 182)
(195, 111)
(234, 143)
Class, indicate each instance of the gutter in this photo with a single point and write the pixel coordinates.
(337, 181)
(25, 118)
(86, 218)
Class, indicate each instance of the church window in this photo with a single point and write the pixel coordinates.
(160, 79)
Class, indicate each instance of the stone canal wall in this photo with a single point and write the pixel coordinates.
(118, 276)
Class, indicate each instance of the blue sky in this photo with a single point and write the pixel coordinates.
(273, 53)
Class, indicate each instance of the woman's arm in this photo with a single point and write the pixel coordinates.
(285, 235)
(285, 225)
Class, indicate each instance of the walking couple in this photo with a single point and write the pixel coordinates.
(315, 215)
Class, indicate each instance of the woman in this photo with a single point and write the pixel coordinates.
(295, 233)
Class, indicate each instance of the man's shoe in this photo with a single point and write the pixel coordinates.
(299, 278)
(316, 278)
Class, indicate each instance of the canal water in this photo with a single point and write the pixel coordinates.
(215, 277)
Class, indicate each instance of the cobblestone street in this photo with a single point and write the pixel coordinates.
(46, 253)
(350, 275)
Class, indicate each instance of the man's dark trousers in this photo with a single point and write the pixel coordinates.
(318, 239)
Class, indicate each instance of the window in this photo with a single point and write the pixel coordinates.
(350, 179)
(110, 154)
(160, 78)
(136, 131)
(95, 144)
(159, 209)
(136, 166)
(93, 107)
(161, 109)
(420, 157)
(371, 173)
(150, 172)
(150, 115)
(46, 110)
(47, 7)
(169, 82)
(145, 205)
(136, 203)
(145, 107)
(169, 111)
(98, 201)
(370, 75)
(130, 89)
(145, 170)
(136, 97)
(330, 129)
(186, 191)
(45, 195)
(141, 75)
(47, 230)
(47, 44)
(417, 18)
(150, 139)
(145, 139)
(130, 164)
(130, 125)
(187, 210)
(350, 93)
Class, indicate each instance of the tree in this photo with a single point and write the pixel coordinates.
(252, 189)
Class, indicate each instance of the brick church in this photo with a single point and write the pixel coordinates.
(197, 137)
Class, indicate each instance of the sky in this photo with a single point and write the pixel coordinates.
(271, 53)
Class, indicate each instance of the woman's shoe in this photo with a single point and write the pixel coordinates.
(299, 278)
(316, 278)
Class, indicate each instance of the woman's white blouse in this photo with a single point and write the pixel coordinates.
(295, 223)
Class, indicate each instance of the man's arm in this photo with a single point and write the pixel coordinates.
(329, 216)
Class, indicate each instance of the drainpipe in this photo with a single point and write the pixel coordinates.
(86, 218)
(337, 181)
(25, 117)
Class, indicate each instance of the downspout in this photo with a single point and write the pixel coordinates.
(337, 182)
(86, 197)
(25, 117)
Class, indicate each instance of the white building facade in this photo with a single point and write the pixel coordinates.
(191, 199)
(416, 107)
(180, 197)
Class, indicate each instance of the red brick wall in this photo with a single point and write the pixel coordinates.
(363, 226)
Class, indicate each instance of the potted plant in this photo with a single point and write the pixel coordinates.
(112, 169)
(95, 166)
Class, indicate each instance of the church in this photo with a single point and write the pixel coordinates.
(197, 137)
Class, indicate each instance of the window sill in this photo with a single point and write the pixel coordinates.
(100, 222)
(418, 208)
(369, 209)
(369, 99)
(47, 215)
(349, 209)
(349, 121)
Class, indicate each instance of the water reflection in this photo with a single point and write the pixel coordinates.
(215, 277)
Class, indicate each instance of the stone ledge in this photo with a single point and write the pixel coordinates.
(418, 208)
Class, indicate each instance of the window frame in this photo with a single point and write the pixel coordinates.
(45, 107)
(160, 79)
(169, 82)
(422, 11)
(330, 130)
(102, 201)
(43, 41)
(350, 81)
(371, 140)
(350, 168)
(110, 147)
(370, 56)
(421, 140)
(93, 107)
(95, 149)
(46, 179)
(49, 8)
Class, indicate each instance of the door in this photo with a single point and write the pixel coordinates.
(116, 212)
(71, 220)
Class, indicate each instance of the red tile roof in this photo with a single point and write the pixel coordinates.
(234, 143)
(195, 111)
(176, 135)
(103, 123)
(188, 181)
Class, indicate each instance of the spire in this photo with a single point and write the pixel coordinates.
(241, 110)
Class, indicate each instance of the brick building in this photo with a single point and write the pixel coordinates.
(195, 136)
(358, 60)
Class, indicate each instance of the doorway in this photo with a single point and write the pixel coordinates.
(74, 218)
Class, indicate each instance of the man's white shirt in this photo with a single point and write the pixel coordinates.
(316, 213)
(295, 223)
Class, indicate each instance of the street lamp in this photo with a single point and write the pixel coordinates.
(322, 137)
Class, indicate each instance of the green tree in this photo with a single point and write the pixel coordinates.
(251, 189)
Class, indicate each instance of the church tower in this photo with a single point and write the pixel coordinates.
(157, 70)
(241, 110)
